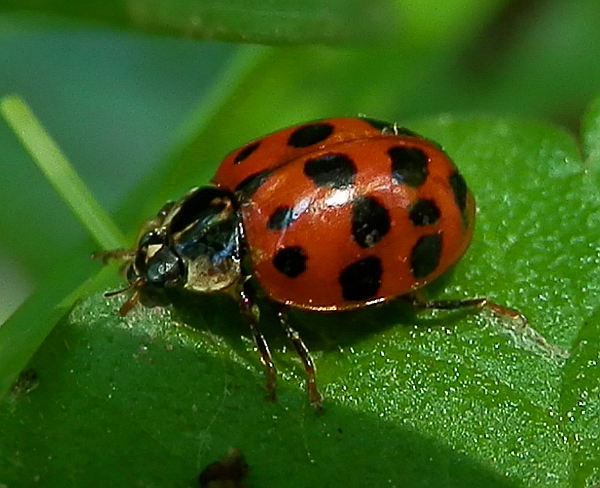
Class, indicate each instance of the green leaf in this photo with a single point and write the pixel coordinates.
(591, 136)
(580, 404)
(580, 394)
(255, 21)
(23, 333)
(442, 399)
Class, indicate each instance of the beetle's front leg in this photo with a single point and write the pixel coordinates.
(250, 311)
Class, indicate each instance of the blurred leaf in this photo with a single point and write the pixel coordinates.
(430, 23)
(441, 400)
(522, 61)
(60, 173)
(251, 21)
(192, 141)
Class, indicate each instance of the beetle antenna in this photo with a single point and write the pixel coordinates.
(114, 255)
(114, 293)
(132, 300)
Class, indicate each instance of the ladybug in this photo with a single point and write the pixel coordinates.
(328, 216)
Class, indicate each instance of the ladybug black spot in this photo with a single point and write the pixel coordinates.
(331, 171)
(425, 256)
(249, 185)
(245, 152)
(310, 134)
(370, 221)
(424, 212)
(290, 261)
(281, 218)
(459, 188)
(409, 166)
(361, 280)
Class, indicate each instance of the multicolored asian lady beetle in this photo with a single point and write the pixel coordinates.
(331, 216)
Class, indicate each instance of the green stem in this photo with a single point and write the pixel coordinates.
(59, 172)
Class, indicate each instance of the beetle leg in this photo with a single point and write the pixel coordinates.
(250, 312)
(419, 302)
(315, 398)
(521, 324)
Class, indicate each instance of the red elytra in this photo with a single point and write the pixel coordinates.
(324, 221)
(281, 147)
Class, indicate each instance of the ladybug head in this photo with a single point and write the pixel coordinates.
(192, 244)
(155, 264)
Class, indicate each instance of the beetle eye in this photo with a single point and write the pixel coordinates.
(164, 268)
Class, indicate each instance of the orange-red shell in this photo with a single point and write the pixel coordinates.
(274, 150)
(362, 216)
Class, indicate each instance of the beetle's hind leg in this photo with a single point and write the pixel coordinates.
(516, 323)
(420, 302)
